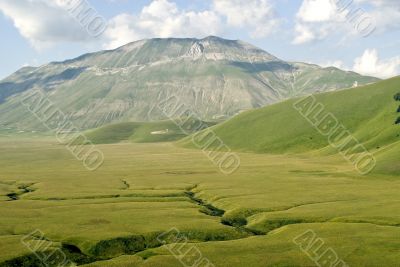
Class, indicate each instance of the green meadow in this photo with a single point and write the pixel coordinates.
(112, 216)
(290, 182)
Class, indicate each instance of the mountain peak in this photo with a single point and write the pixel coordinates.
(217, 38)
(209, 48)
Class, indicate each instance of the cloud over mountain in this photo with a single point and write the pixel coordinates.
(46, 22)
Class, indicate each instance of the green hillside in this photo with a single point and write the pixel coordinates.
(139, 132)
(368, 112)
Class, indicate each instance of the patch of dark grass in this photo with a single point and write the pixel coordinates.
(12, 196)
(53, 258)
(119, 246)
(74, 254)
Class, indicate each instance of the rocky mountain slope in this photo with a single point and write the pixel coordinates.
(214, 77)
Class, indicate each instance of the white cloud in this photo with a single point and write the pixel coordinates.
(161, 19)
(48, 22)
(120, 31)
(370, 64)
(315, 20)
(43, 22)
(346, 18)
(316, 11)
(255, 15)
(303, 34)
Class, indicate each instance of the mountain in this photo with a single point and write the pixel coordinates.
(369, 113)
(216, 78)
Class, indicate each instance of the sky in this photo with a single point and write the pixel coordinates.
(358, 35)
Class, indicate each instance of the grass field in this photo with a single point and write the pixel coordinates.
(290, 182)
(111, 217)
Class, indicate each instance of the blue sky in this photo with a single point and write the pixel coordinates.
(360, 35)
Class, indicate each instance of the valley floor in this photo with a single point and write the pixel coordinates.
(254, 217)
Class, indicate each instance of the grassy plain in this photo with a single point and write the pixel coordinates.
(112, 216)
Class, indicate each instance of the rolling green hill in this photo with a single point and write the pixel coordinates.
(368, 112)
(139, 132)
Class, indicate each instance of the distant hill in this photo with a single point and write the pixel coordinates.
(368, 112)
(140, 132)
(217, 78)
